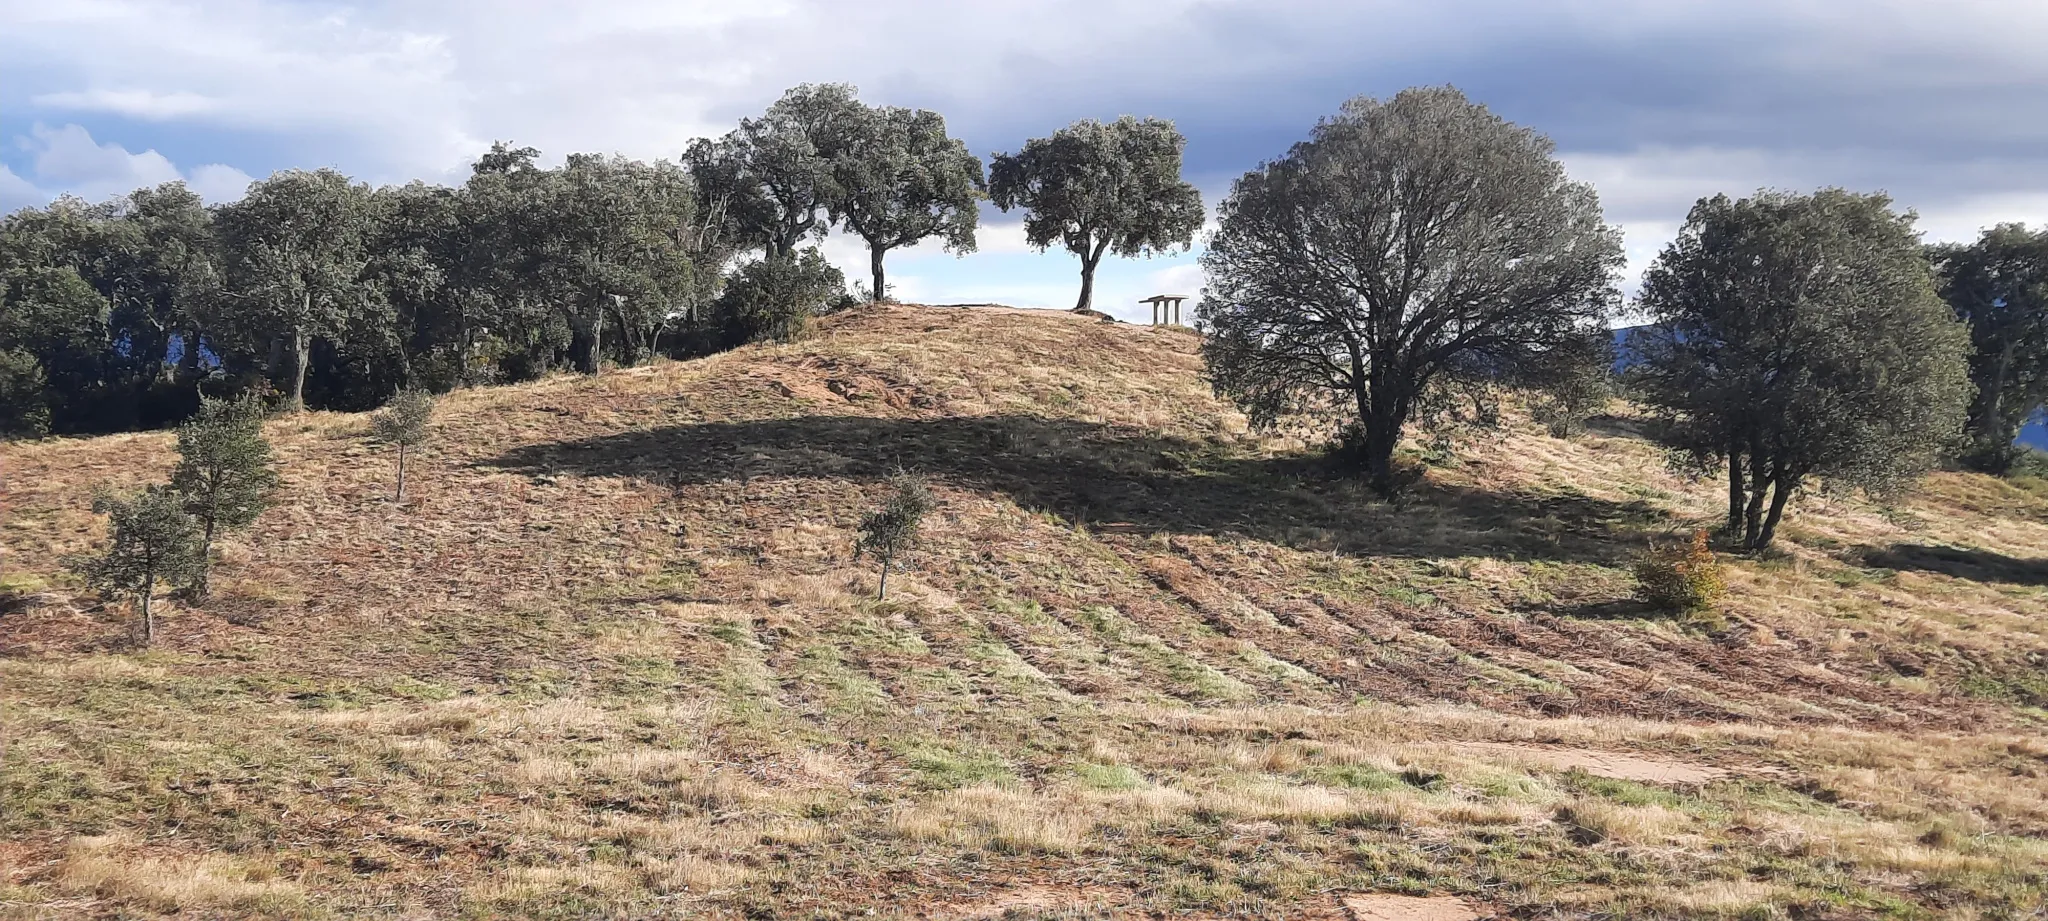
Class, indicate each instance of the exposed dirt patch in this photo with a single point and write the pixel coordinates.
(1038, 899)
(1614, 765)
(1378, 907)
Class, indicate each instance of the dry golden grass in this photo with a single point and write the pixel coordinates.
(613, 658)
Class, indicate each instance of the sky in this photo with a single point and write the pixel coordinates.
(1941, 103)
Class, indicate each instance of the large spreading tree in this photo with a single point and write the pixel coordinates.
(296, 269)
(1407, 243)
(773, 176)
(1099, 188)
(1800, 336)
(1999, 286)
(902, 179)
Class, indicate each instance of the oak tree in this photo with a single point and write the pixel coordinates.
(1099, 188)
(1799, 337)
(1407, 243)
(1999, 286)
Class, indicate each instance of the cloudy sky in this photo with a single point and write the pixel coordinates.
(1943, 103)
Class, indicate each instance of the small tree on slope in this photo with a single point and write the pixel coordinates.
(404, 423)
(890, 530)
(153, 542)
(224, 472)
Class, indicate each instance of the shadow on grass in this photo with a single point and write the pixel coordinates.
(1960, 562)
(1115, 478)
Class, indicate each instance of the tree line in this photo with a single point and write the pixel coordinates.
(317, 290)
(1417, 255)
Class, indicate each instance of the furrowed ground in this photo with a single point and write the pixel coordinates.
(612, 657)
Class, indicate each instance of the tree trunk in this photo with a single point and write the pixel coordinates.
(200, 586)
(1736, 492)
(883, 593)
(880, 292)
(188, 358)
(1781, 490)
(1383, 420)
(302, 355)
(1759, 490)
(591, 347)
(1992, 439)
(148, 615)
(401, 473)
(1089, 260)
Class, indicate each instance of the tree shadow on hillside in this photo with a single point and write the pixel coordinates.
(1117, 479)
(1961, 562)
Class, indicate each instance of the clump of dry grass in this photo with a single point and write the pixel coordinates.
(115, 867)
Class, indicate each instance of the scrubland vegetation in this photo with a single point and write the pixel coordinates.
(616, 657)
(1378, 595)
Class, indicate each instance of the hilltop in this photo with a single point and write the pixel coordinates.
(613, 657)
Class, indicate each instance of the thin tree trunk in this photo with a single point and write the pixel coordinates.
(883, 593)
(875, 253)
(1736, 491)
(1759, 489)
(401, 473)
(148, 616)
(1781, 490)
(302, 355)
(200, 586)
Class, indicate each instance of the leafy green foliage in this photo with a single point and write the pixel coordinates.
(298, 248)
(1411, 250)
(1681, 578)
(1999, 286)
(901, 179)
(403, 423)
(774, 176)
(1096, 188)
(774, 298)
(224, 472)
(153, 542)
(1578, 384)
(1800, 336)
(24, 395)
(888, 531)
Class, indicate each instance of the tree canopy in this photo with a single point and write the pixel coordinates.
(774, 175)
(1800, 336)
(1999, 286)
(902, 179)
(1098, 188)
(1408, 243)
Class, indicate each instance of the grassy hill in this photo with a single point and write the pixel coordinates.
(612, 657)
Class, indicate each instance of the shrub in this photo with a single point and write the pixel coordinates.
(888, 531)
(224, 471)
(404, 423)
(1683, 577)
(775, 298)
(153, 542)
(24, 395)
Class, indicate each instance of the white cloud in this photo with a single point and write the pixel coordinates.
(137, 103)
(67, 160)
(16, 192)
(219, 183)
